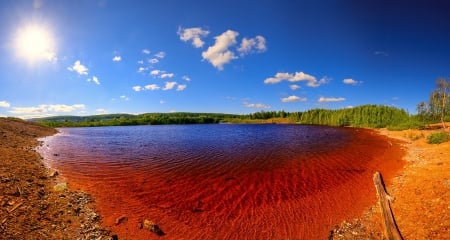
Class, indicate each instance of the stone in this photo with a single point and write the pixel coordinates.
(60, 187)
(153, 227)
(121, 219)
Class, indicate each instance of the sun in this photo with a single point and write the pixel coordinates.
(34, 43)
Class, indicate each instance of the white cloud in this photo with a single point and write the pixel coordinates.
(294, 87)
(125, 98)
(167, 75)
(79, 68)
(293, 98)
(194, 34)
(169, 85)
(50, 56)
(155, 72)
(219, 54)
(181, 87)
(331, 99)
(152, 87)
(350, 81)
(4, 104)
(142, 69)
(256, 44)
(186, 78)
(162, 102)
(45, 110)
(94, 79)
(137, 88)
(117, 58)
(145, 51)
(255, 105)
(160, 55)
(140, 62)
(153, 60)
(297, 77)
(101, 111)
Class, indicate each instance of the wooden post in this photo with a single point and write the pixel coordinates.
(390, 227)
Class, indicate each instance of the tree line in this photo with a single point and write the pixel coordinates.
(373, 116)
(362, 116)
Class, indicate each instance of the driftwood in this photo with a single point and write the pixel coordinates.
(391, 229)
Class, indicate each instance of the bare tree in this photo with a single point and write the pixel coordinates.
(439, 98)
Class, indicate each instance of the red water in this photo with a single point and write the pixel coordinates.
(294, 200)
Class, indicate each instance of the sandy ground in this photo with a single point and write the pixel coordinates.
(421, 193)
(31, 207)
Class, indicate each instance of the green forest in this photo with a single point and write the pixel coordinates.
(375, 116)
(372, 116)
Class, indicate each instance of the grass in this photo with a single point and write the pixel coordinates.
(438, 137)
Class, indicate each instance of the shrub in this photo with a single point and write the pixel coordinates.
(439, 137)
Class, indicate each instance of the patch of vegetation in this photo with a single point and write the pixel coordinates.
(412, 123)
(438, 137)
(414, 136)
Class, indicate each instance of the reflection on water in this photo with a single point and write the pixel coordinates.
(224, 181)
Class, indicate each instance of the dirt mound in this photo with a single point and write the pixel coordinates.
(30, 206)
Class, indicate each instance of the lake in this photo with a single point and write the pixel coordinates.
(224, 181)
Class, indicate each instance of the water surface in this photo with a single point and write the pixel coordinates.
(224, 181)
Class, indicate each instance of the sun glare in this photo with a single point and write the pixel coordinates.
(35, 43)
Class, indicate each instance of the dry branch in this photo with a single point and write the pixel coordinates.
(391, 229)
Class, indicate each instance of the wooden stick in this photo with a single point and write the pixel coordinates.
(15, 207)
(391, 229)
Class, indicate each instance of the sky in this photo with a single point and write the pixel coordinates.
(87, 57)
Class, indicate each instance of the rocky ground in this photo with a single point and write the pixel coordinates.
(33, 204)
(421, 193)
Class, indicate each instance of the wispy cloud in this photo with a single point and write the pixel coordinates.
(160, 55)
(350, 81)
(250, 45)
(125, 98)
(195, 34)
(78, 68)
(94, 79)
(152, 87)
(4, 104)
(155, 72)
(293, 98)
(153, 61)
(181, 87)
(137, 88)
(145, 51)
(255, 105)
(294, 87)
(331, 99)
(169, 86)
(101, 111)
(186, 78)
(142, 69)
(117, 59)
(161, 74)
(167, 75)
(297, 77)
(46, 110)
(381, 53)
(219, 54)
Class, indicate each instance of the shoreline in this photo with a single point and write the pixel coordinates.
(34, 204)
(420, 191)
(30, 207)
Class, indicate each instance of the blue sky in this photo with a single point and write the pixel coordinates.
(104, 56)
